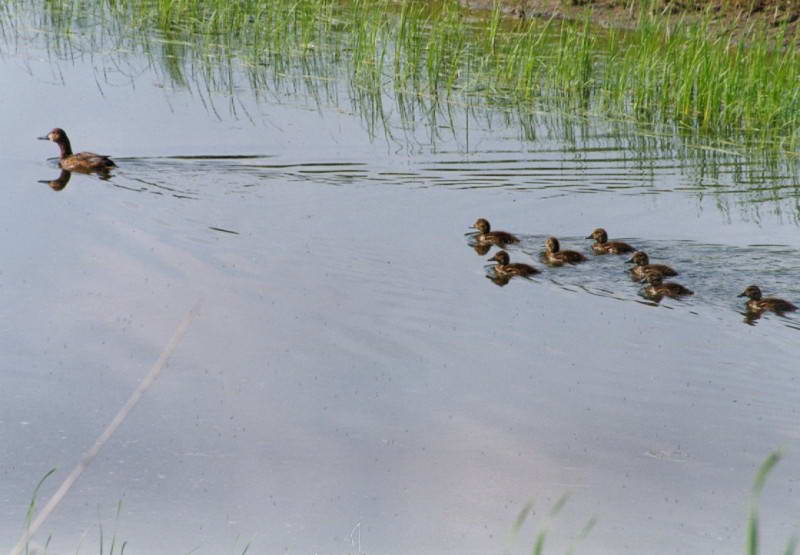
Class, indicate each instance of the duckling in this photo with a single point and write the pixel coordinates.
(603, 246)
(488, 237)
(758, 305)
(643, 267)
(657, 289)
(556, 257)
(505, 267)
(85, 162)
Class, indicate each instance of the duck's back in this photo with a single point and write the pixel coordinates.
(497, 238)
(640, 272)
(612, 247)
(519, 269)
(671, 289)
(773, 304)
(87, 161)
(572, 257)
(562, 257)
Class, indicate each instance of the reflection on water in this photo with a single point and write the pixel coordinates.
(354, 383)
(562, 172)
(58, 183)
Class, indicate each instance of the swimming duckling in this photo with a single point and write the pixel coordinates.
(603, 246)
(505, 267)
(758, 305)
(643, 267)
(556, 257)
(658, 289)
(85, 162)
(488, 237)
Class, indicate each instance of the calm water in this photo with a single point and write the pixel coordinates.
(354, 383)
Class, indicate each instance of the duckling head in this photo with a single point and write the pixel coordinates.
(482, 225)
(552, 244)
(639, 258)
(599, 235)
(753, 292)
(501, 257)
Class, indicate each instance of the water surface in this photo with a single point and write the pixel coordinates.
(354, 383)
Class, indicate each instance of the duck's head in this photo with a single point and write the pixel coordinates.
(753, 292)
(599, 235)
(482, 225)
(57, 135)
(639, 258)
(501, 257)
(552, 244)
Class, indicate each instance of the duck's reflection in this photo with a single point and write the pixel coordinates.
(500, 280)
(751, 317)
(481, 248)
(60, 182)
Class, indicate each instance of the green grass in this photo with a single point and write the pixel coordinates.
(753, 542)
(432, 56)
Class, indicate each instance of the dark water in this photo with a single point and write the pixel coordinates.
(354, 383)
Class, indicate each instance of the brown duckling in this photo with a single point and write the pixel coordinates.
(758, 304)
(85, 162)
(505, 267)
(486, 236)
(642, 267)
(554, 256)
(603, 246)
(658, 289)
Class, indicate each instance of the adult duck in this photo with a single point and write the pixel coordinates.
(86, 162)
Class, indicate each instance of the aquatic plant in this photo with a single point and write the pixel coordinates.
(752, 541)
(705, 80)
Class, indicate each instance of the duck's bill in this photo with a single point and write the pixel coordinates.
(741, 295)
(45, 138)
(629, 261)
(589, 237)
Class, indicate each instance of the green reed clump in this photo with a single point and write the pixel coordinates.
(706, 80)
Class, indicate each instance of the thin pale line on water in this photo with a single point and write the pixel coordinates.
(89, 456)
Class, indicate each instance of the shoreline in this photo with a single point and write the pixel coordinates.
(740, 18)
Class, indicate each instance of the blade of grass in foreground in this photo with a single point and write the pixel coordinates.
(753, 539)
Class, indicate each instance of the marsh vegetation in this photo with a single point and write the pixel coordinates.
(699, 80)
